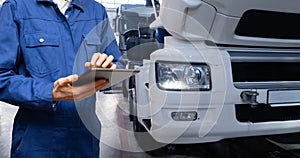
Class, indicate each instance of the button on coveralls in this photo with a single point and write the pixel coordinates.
(38, 45)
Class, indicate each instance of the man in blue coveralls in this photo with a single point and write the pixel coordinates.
(42, 43)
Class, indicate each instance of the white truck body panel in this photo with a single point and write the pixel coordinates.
(216, 108)
(236, 8)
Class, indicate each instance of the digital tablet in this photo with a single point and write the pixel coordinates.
(114, 76)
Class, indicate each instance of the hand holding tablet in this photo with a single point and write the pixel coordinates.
(101, 74)
(113, 76)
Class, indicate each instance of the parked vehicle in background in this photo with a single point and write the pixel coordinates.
(129, 16)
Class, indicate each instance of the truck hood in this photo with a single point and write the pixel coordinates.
(236, 8)
(264, 23)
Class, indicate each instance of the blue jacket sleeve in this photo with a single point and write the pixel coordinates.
(15, 88)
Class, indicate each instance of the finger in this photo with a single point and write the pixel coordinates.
(101, 59)
(61, 82)
(113, 66)
(74, 77)
(89, 87)
(87, 90)
(88, 65)
(55, 83)
(67, 80)
(95, 58)
(100, 85)
(101, 81)
(108, 61)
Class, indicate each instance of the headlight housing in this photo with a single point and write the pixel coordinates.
(182, 76)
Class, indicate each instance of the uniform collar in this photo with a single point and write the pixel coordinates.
(77, 3)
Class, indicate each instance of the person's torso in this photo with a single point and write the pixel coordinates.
(49, 40)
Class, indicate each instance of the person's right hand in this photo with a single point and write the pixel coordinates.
(63, 89)
(101, 60)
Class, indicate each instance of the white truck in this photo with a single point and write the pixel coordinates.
(230, 69)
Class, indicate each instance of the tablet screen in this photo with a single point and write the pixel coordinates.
(114, 76)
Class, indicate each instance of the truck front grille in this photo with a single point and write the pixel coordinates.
(265, 69)
(269, 24)
(266, 113)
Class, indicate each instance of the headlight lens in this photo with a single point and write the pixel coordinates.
(182, 76)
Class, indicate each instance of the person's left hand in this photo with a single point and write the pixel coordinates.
(63, 89)
(101, 60)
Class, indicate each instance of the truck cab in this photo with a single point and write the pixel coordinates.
(230, 69)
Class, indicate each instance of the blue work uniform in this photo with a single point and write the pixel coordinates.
(38, 45)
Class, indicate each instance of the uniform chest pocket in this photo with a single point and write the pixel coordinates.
(41, 53)
(92, 43)
(41, 39)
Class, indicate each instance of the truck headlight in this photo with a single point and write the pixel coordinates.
(182, 76)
